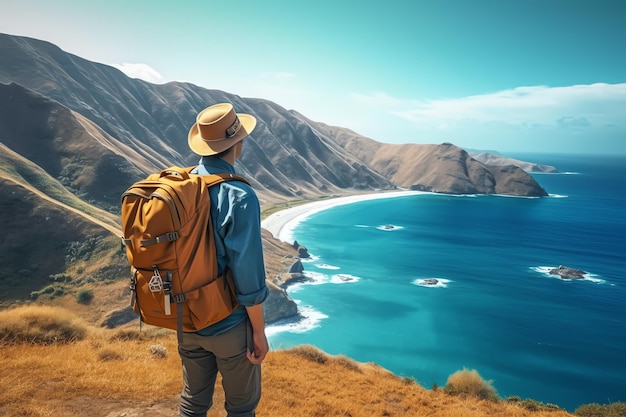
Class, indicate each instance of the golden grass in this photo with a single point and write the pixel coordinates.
(40, 325)
(112, 373)
(470, 382)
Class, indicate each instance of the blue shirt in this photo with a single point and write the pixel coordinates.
(236, 217)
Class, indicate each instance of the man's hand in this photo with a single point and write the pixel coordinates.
(261, 348)
(259, 340)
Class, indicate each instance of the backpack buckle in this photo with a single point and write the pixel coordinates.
(171, 236)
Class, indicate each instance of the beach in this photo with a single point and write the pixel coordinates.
(282, 223)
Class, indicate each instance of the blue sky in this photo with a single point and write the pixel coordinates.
(505, 75)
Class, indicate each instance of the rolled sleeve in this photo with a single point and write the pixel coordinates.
(240, 229)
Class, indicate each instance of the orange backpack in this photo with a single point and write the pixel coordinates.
(168, 235)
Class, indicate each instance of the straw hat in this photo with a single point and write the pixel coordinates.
(219, 128)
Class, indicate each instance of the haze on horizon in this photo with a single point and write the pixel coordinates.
(511, 76)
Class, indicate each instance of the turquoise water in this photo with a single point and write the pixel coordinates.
(495, 308)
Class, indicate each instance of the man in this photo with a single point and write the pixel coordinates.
(237, 345)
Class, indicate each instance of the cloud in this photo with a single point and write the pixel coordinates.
(573, 122)
(530, 117)
(142, 71)
(574, 106)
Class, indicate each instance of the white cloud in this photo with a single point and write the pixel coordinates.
(597, 104)
(142, 71)
(581, 118)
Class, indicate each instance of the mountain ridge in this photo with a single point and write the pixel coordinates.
(94, 131)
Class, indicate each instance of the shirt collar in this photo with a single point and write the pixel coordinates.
(213, 165)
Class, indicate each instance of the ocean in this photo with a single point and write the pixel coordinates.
(494, 306)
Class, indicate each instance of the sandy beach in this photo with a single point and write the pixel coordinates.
(282, 223)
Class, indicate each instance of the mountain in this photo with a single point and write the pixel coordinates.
(489, 158)
(443, 168)
(75, 134)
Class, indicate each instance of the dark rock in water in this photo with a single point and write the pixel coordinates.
(303, 252)
(346, 278)
(429, 281)
(294, 279)
(568, 273)
(296, 268)
(279, 306)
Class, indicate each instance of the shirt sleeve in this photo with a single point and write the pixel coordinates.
(240, 230)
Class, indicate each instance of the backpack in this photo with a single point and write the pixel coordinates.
(169, 241)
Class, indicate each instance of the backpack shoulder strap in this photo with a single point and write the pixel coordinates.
(214, 179)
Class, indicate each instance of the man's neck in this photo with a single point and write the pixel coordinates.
(229, 157)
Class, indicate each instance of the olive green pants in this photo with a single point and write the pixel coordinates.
(203, 357)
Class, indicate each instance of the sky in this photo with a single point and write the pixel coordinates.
(498, 75)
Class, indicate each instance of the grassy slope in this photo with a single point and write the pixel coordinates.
(96, 372)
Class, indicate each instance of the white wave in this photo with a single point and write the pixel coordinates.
(343, 278)
(311, 258)
(309, 319)
(313, 278)
(326, 266)
(427, 282)
(557, 196)
(511, 196)
(316, 278)
(545, 270)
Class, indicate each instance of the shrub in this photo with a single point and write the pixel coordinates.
(40, 325)
(84, 296)
(107, 355)
(514, 399)
(60, 278)
(51, 291)
(470, 383)
(347, 363)
(310, 353)
(127, 334)
(597, 410)
(409, 380)
(158, 351)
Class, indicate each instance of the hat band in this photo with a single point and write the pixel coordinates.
(234, 128)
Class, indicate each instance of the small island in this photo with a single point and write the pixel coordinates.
(568, 273)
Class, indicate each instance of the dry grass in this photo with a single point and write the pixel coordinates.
(470, 383)
(115, 373)
(40, 325)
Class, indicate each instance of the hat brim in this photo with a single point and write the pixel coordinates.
(205, 148)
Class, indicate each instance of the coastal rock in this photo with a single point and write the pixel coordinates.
(290, 279)
(429, 281)
(303, 252)
(568, 273)
(296, 268)
(278, 305)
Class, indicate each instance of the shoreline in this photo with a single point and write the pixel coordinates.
(282, 223)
